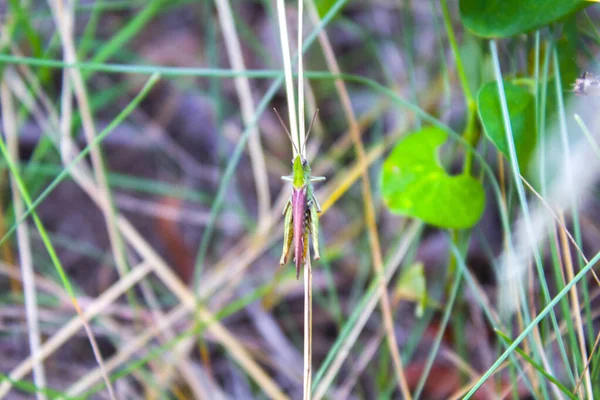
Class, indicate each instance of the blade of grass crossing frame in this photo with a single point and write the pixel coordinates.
(527, 331)
(538, 367)
(125, 34)
(458, 272)
(522, 198)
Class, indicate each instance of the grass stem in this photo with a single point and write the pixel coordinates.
(287, 69)
(471, 133)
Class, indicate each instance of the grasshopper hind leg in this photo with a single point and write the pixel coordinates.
(314, 226)
(300, 258)
(288, 233)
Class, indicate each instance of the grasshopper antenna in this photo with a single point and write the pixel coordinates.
(286, 130)
(309, 128)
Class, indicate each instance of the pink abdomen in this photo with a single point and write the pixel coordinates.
(298, 214)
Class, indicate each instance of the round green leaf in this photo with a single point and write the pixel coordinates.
(504, 18)
(521, 111)
(415, 184)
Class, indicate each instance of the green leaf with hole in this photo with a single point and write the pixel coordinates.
(521, 110)
(504, 18)
(415, 184)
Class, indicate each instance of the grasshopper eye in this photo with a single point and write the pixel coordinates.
(304, 163)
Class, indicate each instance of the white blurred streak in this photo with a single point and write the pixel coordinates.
(569, 185)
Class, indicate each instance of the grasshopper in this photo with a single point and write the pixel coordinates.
(302, 209)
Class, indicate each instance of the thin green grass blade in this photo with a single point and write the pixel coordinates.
(126, 33)
(65, 172)
(523, 199)
(488, 315)
(538, 367)
(458, 272)
(29, 387)
(527, 331)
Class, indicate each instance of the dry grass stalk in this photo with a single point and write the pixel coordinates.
(24, 244)
(369, 210)
(242, 86)
(575, 304)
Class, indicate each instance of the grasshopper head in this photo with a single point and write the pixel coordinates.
(300, 170)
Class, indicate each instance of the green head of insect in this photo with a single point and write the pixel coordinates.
(300, 171)
(300, 168)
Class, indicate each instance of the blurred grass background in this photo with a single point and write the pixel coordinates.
(141, 206)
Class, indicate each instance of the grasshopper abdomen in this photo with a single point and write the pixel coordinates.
(299, 208)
